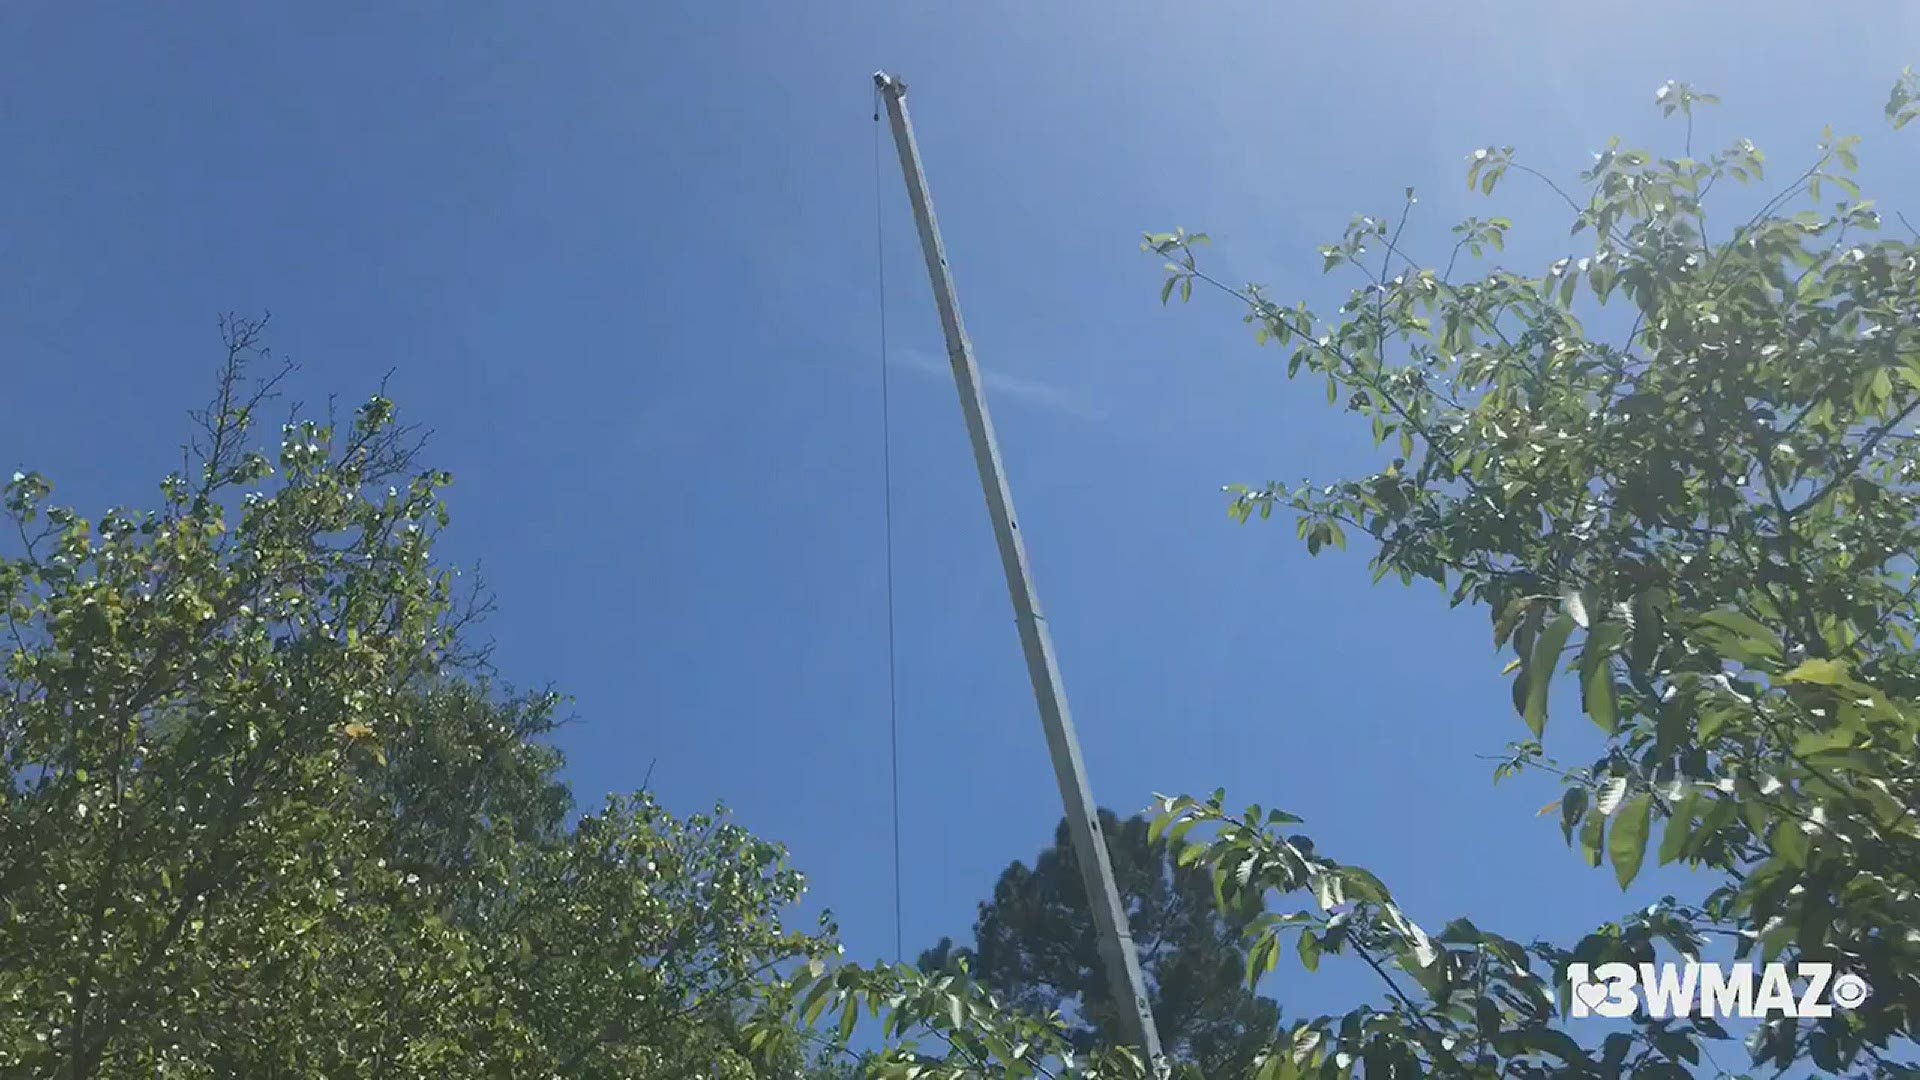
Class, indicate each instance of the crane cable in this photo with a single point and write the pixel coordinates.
(886, 469)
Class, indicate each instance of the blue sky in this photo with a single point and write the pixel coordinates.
(622, 259)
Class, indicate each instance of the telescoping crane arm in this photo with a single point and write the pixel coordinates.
(1117, 950)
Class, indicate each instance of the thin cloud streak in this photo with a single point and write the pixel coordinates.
(1033, 392)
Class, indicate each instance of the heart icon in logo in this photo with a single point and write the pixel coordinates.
(1593, 994)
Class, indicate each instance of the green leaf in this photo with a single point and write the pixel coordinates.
(815, 1002)
(848, 1017)
(1591, 831)
(1359, 884)
(1679, 827)
(1540, 669)
(1262, 957)
(1179, 832)
(1627, 846)
(1558, 1043)
(1159, 826)
(1596, 676)
(1819, 743)
(1309, 949)
(1790, 843)
(1739, 636)
(1818, 672)
(1670, 727)
(1573, 804)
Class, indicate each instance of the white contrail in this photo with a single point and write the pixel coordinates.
(1026, 391)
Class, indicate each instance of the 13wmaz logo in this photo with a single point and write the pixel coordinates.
(1669, 990)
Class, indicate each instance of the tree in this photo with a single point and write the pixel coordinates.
(264, 814)
(1035, 944)
(1706, 521)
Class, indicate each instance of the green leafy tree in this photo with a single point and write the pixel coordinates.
(1036, 945)
(262, 814)
(1705, 521)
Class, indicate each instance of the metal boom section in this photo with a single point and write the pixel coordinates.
(1121, 959)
